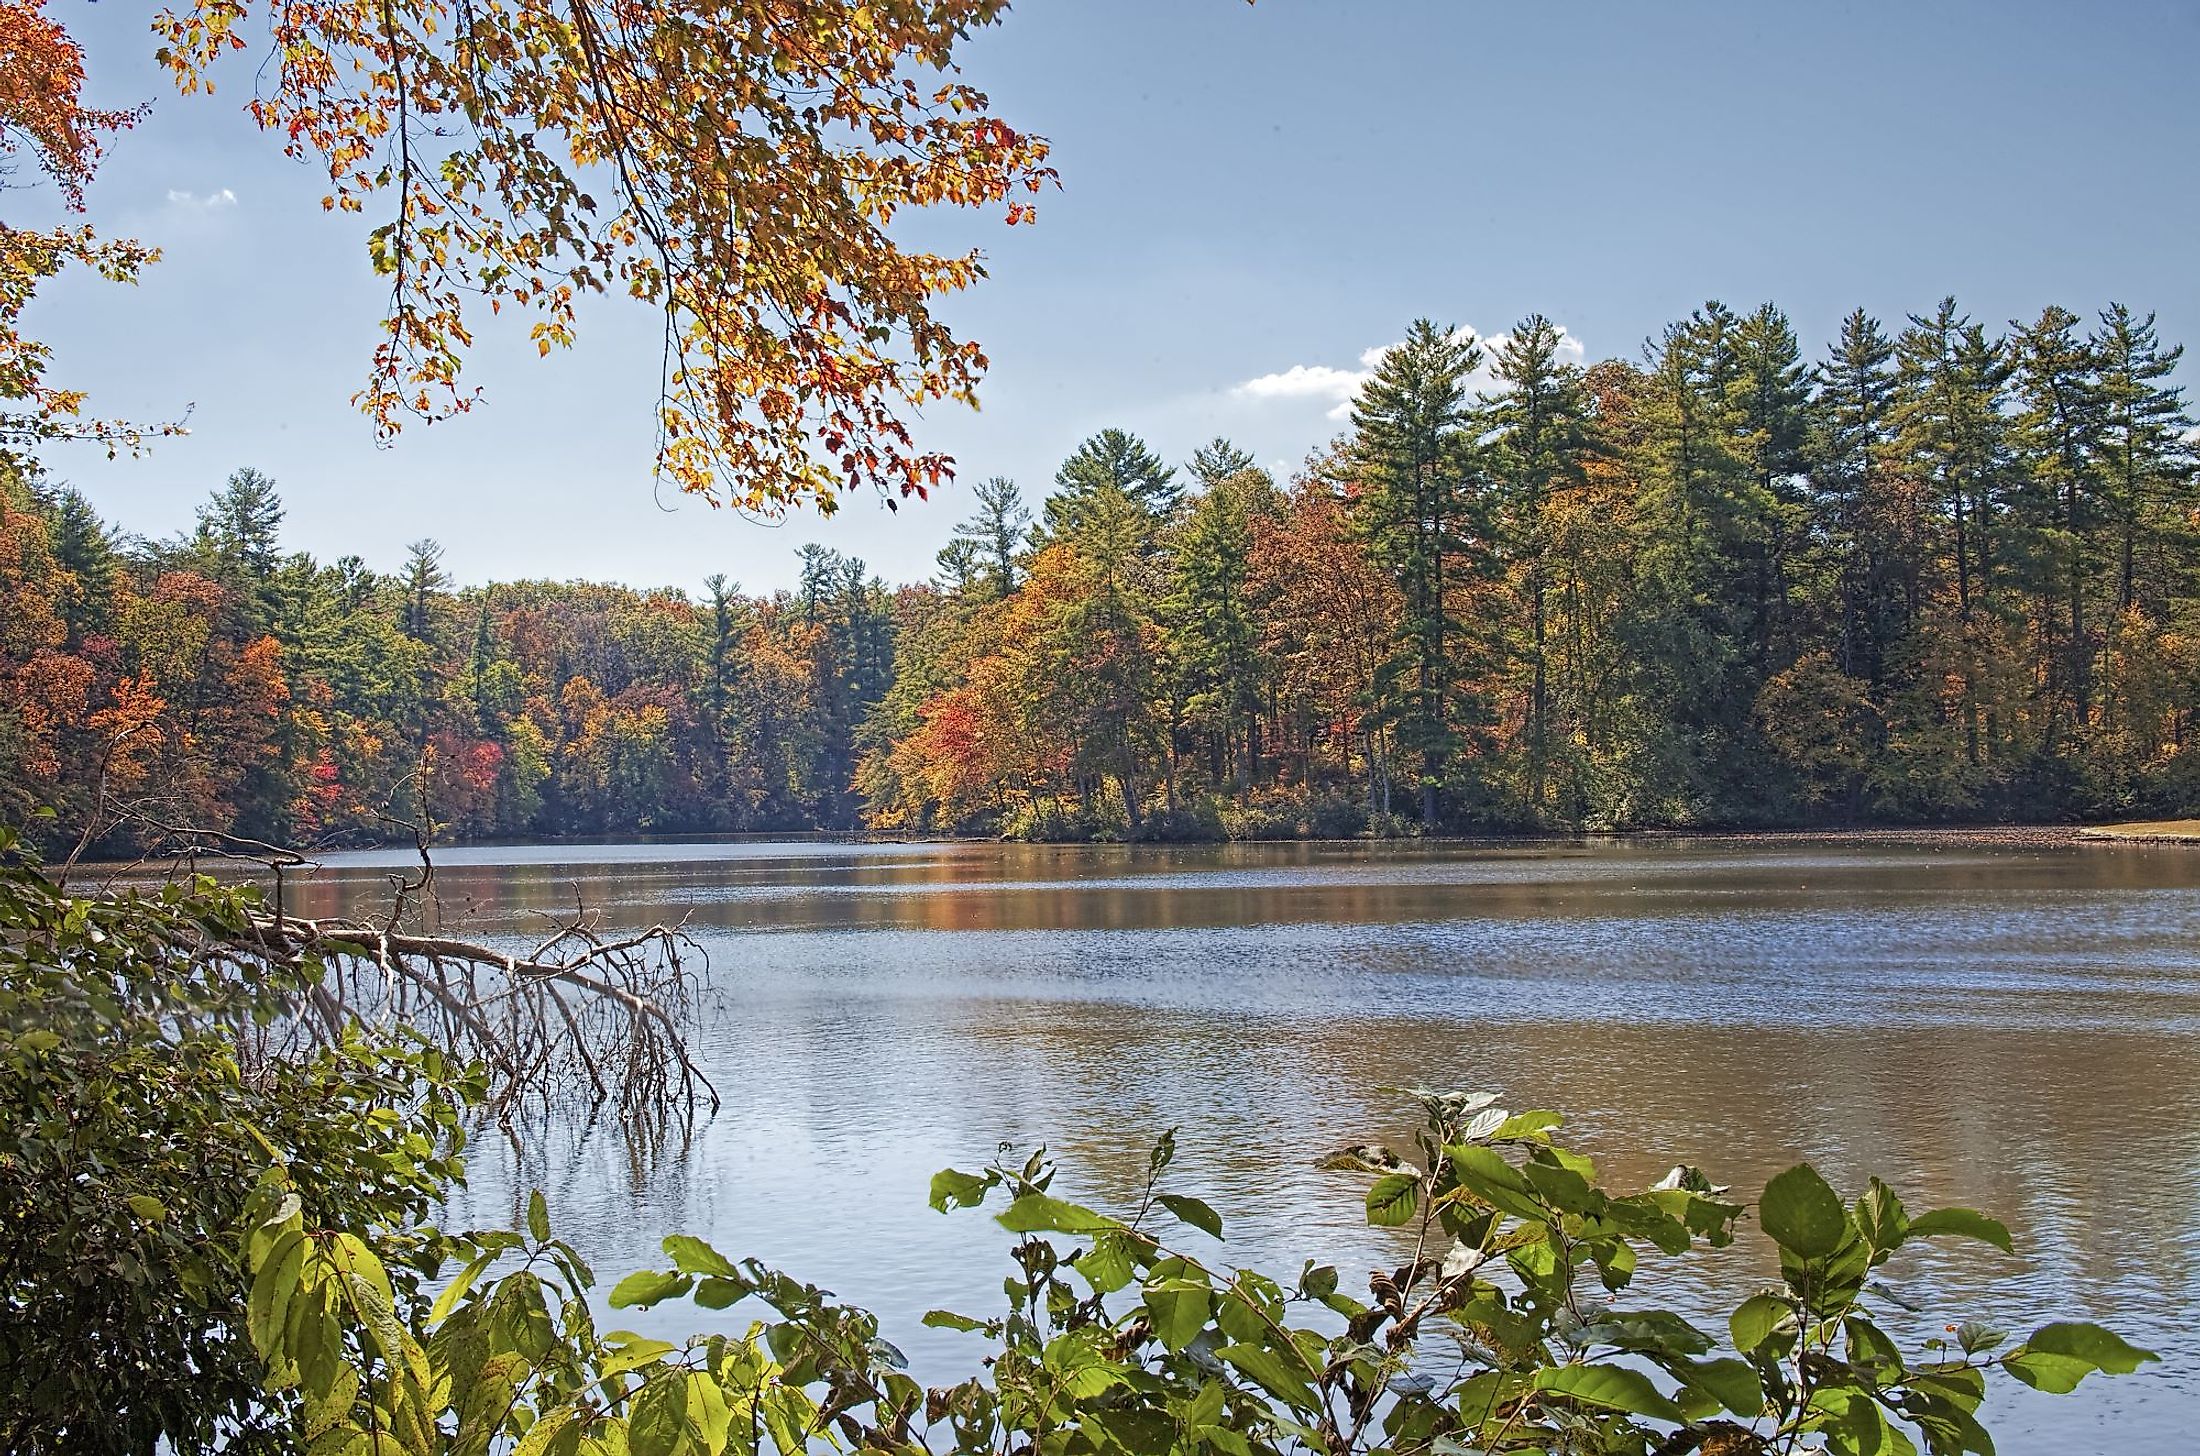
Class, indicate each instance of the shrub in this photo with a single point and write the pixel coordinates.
(1120, 1339)
(144, 1088)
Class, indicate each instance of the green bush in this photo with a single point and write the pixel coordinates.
(1121, 1338)
(145, 1086)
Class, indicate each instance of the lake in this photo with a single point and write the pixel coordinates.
(2006, 1025)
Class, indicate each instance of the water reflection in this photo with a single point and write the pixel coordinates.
(2009, 1028)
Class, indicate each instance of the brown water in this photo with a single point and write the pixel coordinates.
(2012, 1028)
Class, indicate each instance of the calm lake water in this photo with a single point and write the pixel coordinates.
(2012, 1028)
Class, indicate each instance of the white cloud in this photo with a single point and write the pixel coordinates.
(1304, 381)
(196, 202)
(1339, 386)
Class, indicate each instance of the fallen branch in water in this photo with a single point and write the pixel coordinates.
(578, 1011)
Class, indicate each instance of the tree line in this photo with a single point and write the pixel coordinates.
(218, 682)
(1940, 573)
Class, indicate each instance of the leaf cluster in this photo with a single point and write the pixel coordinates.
(1511, 1327)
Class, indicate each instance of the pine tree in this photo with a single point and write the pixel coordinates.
(1216, 461)
(1097, 663)
(1952, 432)
(993, 536)
(2058, 433)
(1695, 615)
(1770, 401)
(1860, 514)
(1214, 620)
(239, 537)
(1425, 507)
(1112, 459)
(1950, 428)
(422, 578)
(85, 549)
(1542, 437)
(244, 520)
(2147, 464)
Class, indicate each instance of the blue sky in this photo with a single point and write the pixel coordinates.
(1253, 198)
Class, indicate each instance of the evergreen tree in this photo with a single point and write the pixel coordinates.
(1950, 428)
(2146, 462)
(1112, 459)
(1770, 401)
(1695, 616)
(960, 571)
(1216, 461)
(992, 536)
(1096, 665)
(422, 578)
(244, 521)
(85, 549)
(1861, 512)
(239, 536)
(1953, 433)
(1542, 437)
(2058, 431)
(1214, 621)
(1424, 507)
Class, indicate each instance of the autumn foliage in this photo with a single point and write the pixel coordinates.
(43, 117)
(737, 165)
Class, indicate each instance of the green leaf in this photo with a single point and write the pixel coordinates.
(1733, 1383)
(1393, 1199)
(273, 1288)
(1612, 1387)
(538, 1216)
(1561, 1188)
(787, 1415)
(1179, 1309)
(964, 1190)
(1949, 1428)
(1194, 1212)
(1962, 1223)
(630, 1351)
(35, 1042)
(646, 1287)
(947, 1319)
(1108, 1264)
(659, 1418)
(1079, 1367)
(1485, 1173)
(1756, 1318)
(1881, 1218)
(2060, 1355)
(708, 1410)
(1037, 1213)
(1272, 1373)
(455, 1291)
(145, 1206)
(544, 1431)
(690, 1255)
(1802, 1214)
(1526, 1125)
(715, 1293)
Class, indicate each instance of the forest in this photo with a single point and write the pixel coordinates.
(1938, 572)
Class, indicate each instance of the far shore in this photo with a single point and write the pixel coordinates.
(2147, 831)
(2158, 832)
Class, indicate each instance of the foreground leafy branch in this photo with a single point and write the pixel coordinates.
(163, 1045)
(1120, 1340)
